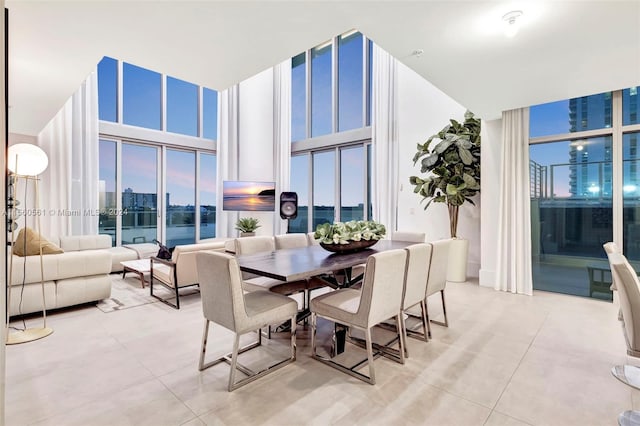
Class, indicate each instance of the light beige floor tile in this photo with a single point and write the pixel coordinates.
(194, 422)
(498, 419)
(541, 360)
(551, 387)
(148, 403)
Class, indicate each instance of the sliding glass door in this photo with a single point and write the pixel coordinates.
(180, 198)
(571, 212)
(139, 193)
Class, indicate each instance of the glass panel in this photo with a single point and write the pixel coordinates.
(352, 183)
(108, 89)
(298, 98)
(142, 100)
(181, 197)
(631, 191)
(107, 189)
(300, 185)
(182, 107)
(630, 106)
(210, 114)
(572, 115)
(139, 193)
(207, 196)
(350, 81)
(321, 90)
(571, 215)
(369, 81)
(323, 187)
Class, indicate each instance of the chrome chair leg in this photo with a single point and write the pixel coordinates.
(444, 311)
(425, 322)
(234, 361)
(426, 310)
(203, 347)
(372, 373)
(402, 342)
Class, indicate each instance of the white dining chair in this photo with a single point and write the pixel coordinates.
(225, 303)
(413, 237)
(379, 300)
(437, 280)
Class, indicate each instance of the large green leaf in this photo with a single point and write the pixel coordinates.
(465, 155)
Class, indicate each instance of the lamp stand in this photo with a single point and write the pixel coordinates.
(28, 334)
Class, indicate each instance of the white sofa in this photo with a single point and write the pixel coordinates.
(79, 275)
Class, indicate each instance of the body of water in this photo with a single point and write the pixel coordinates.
(266, 203)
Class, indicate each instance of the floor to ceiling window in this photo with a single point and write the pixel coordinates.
(139, 193)
(577, 148)
(167, 147)
(330, 133)
(180, 197)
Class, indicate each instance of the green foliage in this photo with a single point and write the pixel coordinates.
(354, 230)
(452, 164)
(247, 224)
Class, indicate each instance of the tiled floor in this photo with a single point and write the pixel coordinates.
(505, 360)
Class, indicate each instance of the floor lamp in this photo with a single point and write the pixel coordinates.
(26, 162)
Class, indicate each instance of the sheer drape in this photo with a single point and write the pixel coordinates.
(227, 156)
(281, 136)
(69, 186)
(513, 271)
(384, 141)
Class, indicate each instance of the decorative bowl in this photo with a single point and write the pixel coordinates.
(350, 247)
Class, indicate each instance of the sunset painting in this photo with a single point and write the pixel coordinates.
(248, 196)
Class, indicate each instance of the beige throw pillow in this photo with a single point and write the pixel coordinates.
(30, 246)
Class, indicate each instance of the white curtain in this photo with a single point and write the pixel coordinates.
(384, 179)
(69, 186)
(513, 271)
(281, 136)
(227, 156)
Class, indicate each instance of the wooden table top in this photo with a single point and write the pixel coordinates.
(299, 263)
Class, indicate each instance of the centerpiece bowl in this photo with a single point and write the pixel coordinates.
(350, 247)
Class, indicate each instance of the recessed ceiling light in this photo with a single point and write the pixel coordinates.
(417, 53)
(511, 22)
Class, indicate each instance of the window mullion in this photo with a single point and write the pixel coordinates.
(334, 85)
(617, 178)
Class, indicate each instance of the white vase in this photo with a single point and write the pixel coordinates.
(458, 254)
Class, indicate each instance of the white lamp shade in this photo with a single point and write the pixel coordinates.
(27, 160)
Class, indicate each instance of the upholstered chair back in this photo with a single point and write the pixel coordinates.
(414, 237)
(184, 256)
(312, 239)
(221, 289)
(417, 274)
(610, 248)
(439, 265)
(286, 241)
(629, 293)
(251, 245)
(382, 287)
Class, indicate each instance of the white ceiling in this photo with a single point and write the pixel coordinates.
(564, 49)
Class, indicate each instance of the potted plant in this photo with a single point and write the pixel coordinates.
(247, 226)
(349, 236)
(452, 165)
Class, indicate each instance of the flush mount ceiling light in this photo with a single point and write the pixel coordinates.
(511, 22)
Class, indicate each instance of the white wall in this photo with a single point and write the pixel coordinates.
(15, 138)
(490, 178)
(423, 110)
(256, 139)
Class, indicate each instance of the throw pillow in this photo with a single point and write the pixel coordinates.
(29, 246)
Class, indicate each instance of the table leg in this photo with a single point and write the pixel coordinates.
(339, 338)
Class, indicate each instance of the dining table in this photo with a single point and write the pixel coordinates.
(314, 261)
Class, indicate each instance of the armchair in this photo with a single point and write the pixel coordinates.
(180, 271)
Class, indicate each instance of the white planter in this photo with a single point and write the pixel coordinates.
(458, 253)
